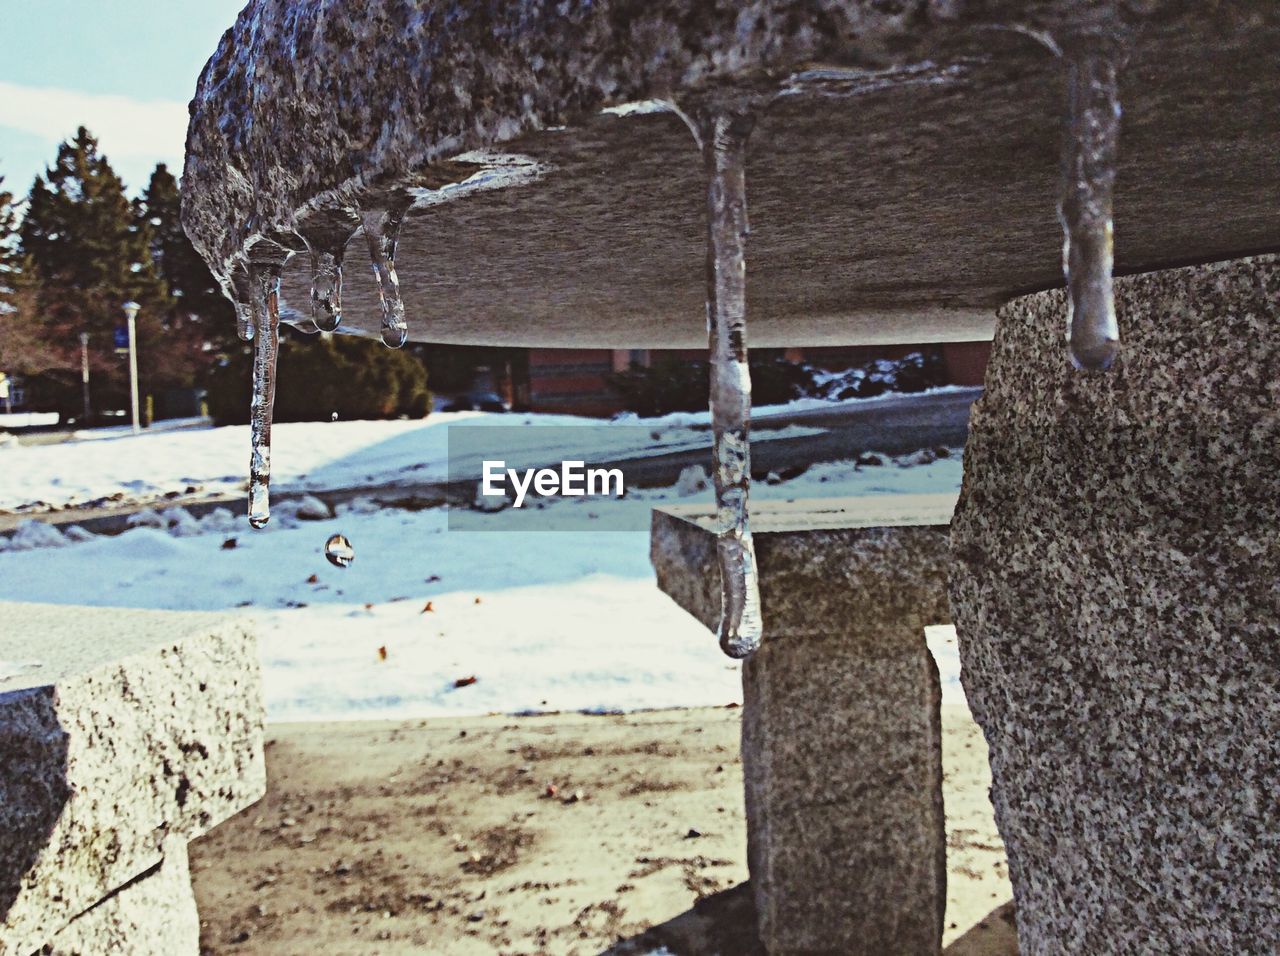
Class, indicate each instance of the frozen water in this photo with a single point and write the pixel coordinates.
(1088, 178)
(266, 283)
(382, 232)
(724, 143)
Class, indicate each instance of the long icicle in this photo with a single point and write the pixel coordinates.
(266, 347)
(1088, 179)
(724, 137)
(382, 231)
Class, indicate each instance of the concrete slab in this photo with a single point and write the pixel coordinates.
(153, 915)
(903, 200)
(136, 727)
(841, 738)
(1115, 597)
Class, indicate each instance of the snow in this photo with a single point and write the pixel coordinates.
(545, 621)
(314, 456)
(28, 419)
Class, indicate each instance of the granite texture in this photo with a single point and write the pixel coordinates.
(1114, 592)
(139, 726)
(153, 915)
(902, 202)
(841, 738)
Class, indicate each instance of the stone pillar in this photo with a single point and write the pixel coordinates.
(841, 735)
(123, 735)
(1117, 546)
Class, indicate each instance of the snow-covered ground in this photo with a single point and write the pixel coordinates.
(542, 620)
(310, 456)
(327, 455)
(28, 419)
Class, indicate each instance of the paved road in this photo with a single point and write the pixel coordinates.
(893, 426)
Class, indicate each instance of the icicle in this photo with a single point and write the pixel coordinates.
(239, 289)
(1088, 176)
(327, 248)
(326, 289)
(382, 231)
(266, 286)
(723, 137)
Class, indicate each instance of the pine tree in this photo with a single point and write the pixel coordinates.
(90, 255)
(8, 245)
(197, 298)
(23, 351)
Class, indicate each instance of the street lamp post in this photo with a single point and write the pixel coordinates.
(131, 314)
(84, 376)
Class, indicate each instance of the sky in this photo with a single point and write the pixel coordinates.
(125, 69)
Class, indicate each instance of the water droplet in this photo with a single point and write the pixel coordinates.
(382, 232)
(338, 551)
(266, 284)
(1088, 179)
(327, 247)
(723, 136)
(239, 289)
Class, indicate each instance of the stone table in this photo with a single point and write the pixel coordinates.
(841, 732)
(902, 179)
(124, 734)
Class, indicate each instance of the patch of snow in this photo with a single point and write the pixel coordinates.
(146, 518)
(943, 645)
(311, 508)
(568, 620)
(28, 419)
(693, 479)
(12, 669)
(32, 535)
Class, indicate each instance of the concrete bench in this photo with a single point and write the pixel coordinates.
(123, 735)
(841, 733)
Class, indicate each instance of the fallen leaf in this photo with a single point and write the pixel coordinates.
(465, 681)
(382, 653)
(426, 608)
(229, 544)
(314, 579)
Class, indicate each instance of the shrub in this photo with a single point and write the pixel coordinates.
(319, 375)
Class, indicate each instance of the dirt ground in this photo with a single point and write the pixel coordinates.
(573, 834)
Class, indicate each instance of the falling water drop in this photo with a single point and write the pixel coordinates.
(723, 136)
(266, 285)
(338, 551)
(1088, 178)
(382, 231)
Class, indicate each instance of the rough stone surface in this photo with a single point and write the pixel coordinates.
(154, 915)
(138, 726)
(1115, 596)
(906, 209)
(841, 738)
